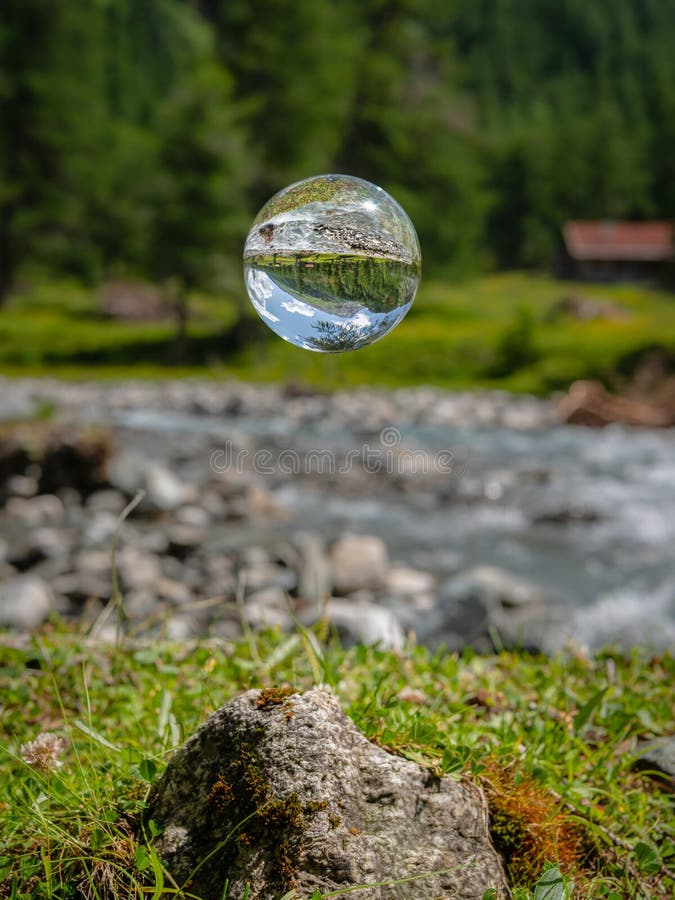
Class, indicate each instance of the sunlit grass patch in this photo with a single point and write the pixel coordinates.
(551, 737)
(453, 337)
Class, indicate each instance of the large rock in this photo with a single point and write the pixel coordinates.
(358, 561)
(281, 792)
(588, 403)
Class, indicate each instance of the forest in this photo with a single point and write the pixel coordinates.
(139, 139)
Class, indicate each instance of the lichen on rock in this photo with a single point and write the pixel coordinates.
(277, 802)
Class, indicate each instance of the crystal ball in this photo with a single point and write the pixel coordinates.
(332, 263)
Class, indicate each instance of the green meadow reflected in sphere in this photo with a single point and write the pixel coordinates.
(332, 263)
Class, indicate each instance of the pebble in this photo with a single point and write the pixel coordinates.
(140, 603)
(175, 592)
(406, 582)
(127, 471)
(22, 486)
(137, 569)
(99, 528)
(314, 582)
(25, 602)
(45, 509)
(106, 501)
(180, 627)
(165, 490)
(269, 608)
(196, 517)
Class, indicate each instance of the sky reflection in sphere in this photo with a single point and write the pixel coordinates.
(332, 263)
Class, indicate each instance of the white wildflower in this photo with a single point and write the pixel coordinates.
(43, 752)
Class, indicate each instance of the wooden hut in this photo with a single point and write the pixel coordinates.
(617, 251)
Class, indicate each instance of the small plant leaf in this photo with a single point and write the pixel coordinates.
(552, 885)
(97, 839)
(94, 735)
(588, 710)
(154, 828)
(164, 712)
(147, 769)
(648, 858)
(141, 858)
(158, 872)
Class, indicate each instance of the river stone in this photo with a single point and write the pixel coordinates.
(361, 622)
(405, 582)
(45, 509)
(358, 561)
(137, 569)
(25, 602)
(165, 490)
(314, 581)
(269, 608)
(481, 603)
(280, 791)
(22, 486)
(127, 471)
(108, 500)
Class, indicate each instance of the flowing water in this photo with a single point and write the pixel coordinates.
(589, 515)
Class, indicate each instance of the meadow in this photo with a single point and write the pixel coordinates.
(552, 741)
(513, 331)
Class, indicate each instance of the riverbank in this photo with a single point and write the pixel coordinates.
(464, 519)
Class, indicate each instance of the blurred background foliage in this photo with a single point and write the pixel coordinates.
(138, 139)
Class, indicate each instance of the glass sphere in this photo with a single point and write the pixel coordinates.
(332, 263)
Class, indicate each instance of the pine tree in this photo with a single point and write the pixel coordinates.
(203, 167)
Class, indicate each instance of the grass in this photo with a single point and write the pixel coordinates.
(457, 335)
(552, 741)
